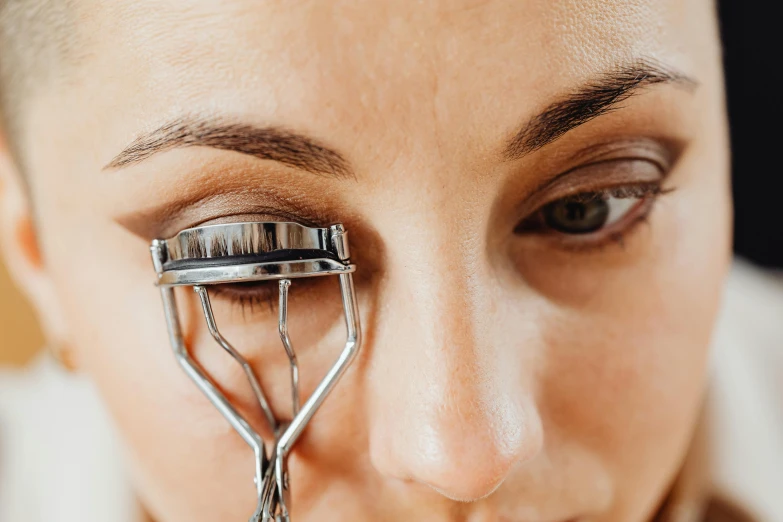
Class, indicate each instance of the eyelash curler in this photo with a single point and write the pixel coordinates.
(258, 251)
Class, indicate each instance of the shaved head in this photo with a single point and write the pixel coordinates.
(37, 38)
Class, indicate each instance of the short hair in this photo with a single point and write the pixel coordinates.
(37, 39)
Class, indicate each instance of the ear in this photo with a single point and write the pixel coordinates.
(20, 248)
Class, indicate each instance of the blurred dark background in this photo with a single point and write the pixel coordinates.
(753, 41)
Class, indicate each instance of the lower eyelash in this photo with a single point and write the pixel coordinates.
(622, 192)
(262, 297)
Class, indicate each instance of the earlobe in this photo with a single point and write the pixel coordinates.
(23, 257)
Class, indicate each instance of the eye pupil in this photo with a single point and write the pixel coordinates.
(577, 217)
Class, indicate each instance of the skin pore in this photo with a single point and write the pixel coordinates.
(511, 371)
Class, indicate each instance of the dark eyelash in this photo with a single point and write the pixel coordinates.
(262, 297)
(249, 296)
(621, 192)
(650, 192)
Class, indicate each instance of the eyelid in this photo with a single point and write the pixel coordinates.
(240, 217)
(595, 177)
(646, 199)
(165, 220)
(665, 152)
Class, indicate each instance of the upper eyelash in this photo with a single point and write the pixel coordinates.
(650, 191)
(639, 191)
(621, 192)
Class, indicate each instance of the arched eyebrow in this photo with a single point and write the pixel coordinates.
(269, 143)
(598, 96)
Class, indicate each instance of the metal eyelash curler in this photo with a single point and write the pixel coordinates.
(256, 251)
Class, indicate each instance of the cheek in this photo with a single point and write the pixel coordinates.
(627, 347)
(174, 436)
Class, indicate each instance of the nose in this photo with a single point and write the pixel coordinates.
(451, 404)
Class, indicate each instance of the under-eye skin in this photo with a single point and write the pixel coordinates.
(592, 218)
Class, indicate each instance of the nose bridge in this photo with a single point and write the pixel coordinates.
(440, 277)
(445, 416)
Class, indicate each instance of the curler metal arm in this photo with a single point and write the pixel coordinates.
(241, 252)
(294, 430)
(208, 388)
(282, 327)
(249, 373)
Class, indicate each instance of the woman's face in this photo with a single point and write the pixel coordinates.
(537, 199)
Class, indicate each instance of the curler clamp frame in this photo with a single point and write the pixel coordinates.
(256, 251)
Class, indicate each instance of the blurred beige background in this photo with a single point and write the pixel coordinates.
(20, 337)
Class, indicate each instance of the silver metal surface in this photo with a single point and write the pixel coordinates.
(205, 383)
(294, 430)
(243, 252)
(282, 327)
(249, 373)
(253, 272)
(235, 239)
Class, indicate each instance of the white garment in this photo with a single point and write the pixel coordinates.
(59, 461)
(746, 395)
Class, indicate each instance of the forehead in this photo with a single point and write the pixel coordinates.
(356, 65)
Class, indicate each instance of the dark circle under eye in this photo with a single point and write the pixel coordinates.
(571, 216)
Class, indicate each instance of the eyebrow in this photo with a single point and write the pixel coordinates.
(269, 143)
(597, 97)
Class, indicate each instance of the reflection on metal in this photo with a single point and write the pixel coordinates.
(255, 251)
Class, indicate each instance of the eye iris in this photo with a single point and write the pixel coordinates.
(577, 217)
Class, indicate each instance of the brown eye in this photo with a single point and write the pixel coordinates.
(577, 216)
(585, 214)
